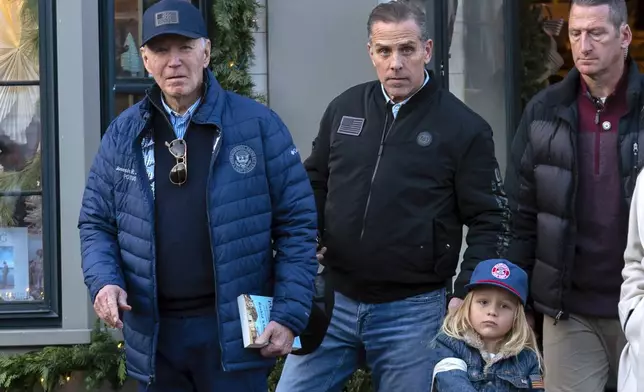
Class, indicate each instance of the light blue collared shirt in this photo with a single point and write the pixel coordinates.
(179, 123)
(397, 106)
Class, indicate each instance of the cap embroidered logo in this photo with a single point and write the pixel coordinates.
(501, 271)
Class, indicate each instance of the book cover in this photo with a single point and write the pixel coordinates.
(255, 314)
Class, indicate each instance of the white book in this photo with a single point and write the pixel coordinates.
(255, 314)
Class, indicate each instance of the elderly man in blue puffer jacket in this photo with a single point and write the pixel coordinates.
(197, 195)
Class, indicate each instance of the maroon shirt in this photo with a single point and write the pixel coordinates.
(602, 215)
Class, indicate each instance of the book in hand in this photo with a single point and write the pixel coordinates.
(255, 314)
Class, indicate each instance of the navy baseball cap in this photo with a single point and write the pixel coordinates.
(501, 273)
(178, 17)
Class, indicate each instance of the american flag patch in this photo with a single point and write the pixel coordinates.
(351, 126)
(536, 381)
(166, 17)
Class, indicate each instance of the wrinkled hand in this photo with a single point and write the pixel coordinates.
(320, 253)
(278, 340)
(454, 304)
(108, 301)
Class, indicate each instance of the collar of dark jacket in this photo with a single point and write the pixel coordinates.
(563, 95)
(421, 96)
(209, 112)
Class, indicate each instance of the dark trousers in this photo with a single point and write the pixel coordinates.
(188, 359)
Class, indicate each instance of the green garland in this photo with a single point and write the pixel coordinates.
(233, 43)
(101, 361)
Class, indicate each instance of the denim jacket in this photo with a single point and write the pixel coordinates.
(504, 372)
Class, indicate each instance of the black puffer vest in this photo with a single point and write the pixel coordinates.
(542, 184)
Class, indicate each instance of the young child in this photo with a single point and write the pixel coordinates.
(487, 344)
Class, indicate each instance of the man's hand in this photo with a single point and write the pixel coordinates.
(278, 340)
(320, 253)
(454, 304)
(108, 301)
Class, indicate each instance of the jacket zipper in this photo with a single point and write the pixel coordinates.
(385, 133)
(213, 157)
(573, 141)
(148, 192)
(154, 257)
(636, 152)
(561, 312)
(598, 136)
(215, 153)
(154, 269)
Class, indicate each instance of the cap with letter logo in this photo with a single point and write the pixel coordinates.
(177, 17)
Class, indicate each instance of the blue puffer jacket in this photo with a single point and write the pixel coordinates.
(271, 208)
(506, 372)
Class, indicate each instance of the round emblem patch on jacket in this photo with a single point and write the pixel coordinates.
(501, 271)
(424, 139)
(243, 159)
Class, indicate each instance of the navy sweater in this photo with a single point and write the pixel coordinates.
(184, 261)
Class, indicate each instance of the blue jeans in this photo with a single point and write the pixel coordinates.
(188, 359)
(393, 338)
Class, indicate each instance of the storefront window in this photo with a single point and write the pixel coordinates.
(123, 101)
(22, 257)
(477, 68)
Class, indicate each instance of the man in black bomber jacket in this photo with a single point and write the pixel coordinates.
(398, 167)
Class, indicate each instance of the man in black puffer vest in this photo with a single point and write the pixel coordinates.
(571, 175)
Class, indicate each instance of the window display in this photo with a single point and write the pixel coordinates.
(21, 253)
(14, 264)
(123, 101)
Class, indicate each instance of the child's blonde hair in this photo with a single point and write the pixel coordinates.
(457, 324)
